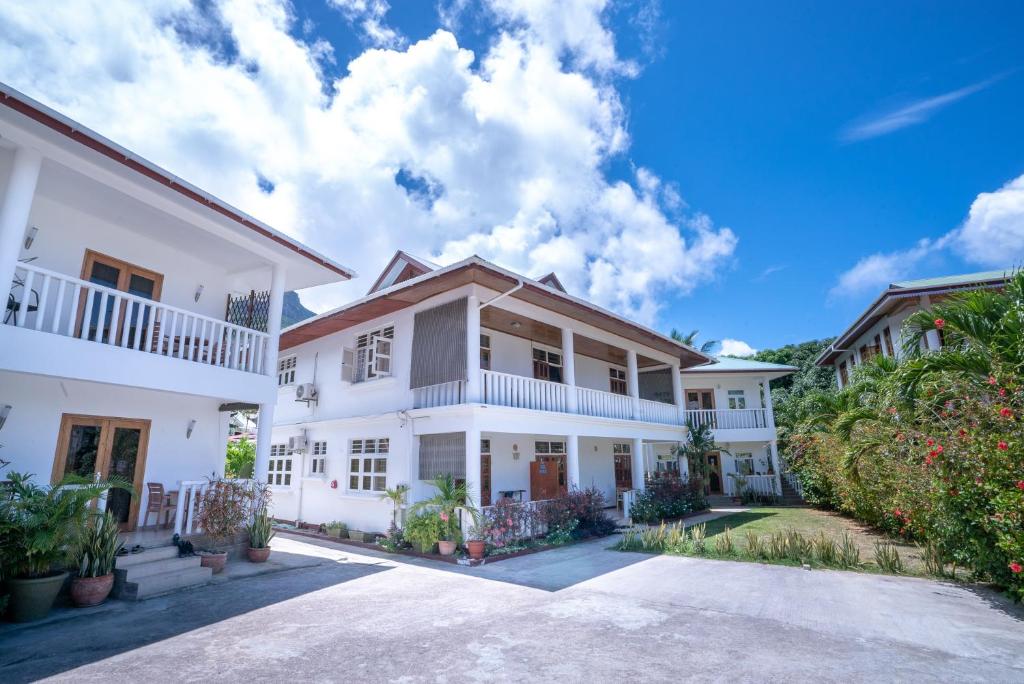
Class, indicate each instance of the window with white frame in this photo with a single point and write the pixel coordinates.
(485, 352)
(368, 464)
(744, 461)
(546, 448)
(280, 471)
(737, 399)
(547, 365)
(372, 357)
(617, 380)
(318, 459)
(286, 370)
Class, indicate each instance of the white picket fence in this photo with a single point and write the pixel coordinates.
(190, 496)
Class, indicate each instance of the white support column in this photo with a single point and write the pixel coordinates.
(768, 406)
(569, 370)
(839, 377)
(473, 465)
(638, 465)
(677, 392)
(633, 382)
(773, 445)
(15, 206)
(265, 426)
(572, 462)
(473, 353)
(931, 337)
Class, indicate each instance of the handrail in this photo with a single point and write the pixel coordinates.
(731, 419)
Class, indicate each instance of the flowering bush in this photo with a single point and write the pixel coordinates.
(579, 514)
(666, 498)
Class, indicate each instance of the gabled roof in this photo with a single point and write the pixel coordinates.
(403, 266)
(552, 280)
(66, 129)
(892, 297)
(477, 270)
(728, 364)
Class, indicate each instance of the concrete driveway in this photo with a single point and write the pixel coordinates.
(574, 614)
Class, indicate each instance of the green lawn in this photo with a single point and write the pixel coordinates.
(809, 522)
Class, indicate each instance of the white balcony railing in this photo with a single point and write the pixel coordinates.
(593, 402)
(60, 304)
(731, 419)
(503, 389)
(761, 484)
(444, 394)
(659, 412)
(190, 497)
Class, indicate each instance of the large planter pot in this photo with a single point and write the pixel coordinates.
(215, 561)
(258, 555)
(446, 548)
(31, 599)
(356, 535)
(476, 548)
(91, 591)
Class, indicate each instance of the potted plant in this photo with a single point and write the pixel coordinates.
(336, 528)
(97, 556)
(223, 510)
(261, 531)
(423, 530)
(41, 530)
(358, 535)
(450, 496)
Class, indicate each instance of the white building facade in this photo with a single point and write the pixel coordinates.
(118, 352)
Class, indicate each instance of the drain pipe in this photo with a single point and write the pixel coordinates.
(519, 285)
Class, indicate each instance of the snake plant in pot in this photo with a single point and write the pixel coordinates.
(97, 556)
(261, 531)
(41, 531)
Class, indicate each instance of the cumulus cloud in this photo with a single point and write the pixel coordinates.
(369, 16)
(992, 236)
(736, 348)
(427, 147)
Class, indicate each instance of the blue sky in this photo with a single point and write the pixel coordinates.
(758, 171)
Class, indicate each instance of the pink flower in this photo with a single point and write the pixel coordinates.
(1002, 392)
(1005, 412)
(938, 449)
(1020, 485)
(444, 516)
(930, 442)
(991, 380)
(1016, 567)
(1003, 446)
(940, 323)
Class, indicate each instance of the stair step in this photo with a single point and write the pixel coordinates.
(147, 556)
(162, 583)
(158, 567)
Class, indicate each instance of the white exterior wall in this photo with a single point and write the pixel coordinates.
(29, 437)
(895, 324)
(721, 384)
(761, 453)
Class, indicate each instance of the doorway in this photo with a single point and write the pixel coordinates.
(714, 461)
(117, 275)
(547, 478)
(87, 445)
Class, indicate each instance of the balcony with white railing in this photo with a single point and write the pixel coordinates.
(592, 402)
(732, 419)
(518, 391)
(58, 304)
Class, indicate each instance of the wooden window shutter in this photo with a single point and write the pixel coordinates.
(439, 345)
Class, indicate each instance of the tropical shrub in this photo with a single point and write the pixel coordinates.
(226, 507)
(99, 547)
(580, 513)
(666, 498)
(424, 529)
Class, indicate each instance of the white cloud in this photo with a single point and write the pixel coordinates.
(916, 112)
(877, 271)
(736, 348)
(503, 156)
(993, 233)
(369, 15)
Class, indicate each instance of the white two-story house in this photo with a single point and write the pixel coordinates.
(138, 311)
(509, 383)
(879, 330)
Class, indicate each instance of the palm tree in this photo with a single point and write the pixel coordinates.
(691, 340)
(396, 495)
(451, 495)
(700, 441)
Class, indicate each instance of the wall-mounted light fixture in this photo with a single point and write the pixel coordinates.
(516, 325)
(199, 292)
(30, 237)
(191, 427)
(5, 411)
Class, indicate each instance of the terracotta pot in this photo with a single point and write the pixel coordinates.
(216, 561)
(91, 591)
(258, 555)
(31, 599)
(446, 548)
(476, 548)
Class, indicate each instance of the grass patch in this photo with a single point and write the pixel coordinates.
(787, 536)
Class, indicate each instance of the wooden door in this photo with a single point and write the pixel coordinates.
(547, 478)
(714, 473)
(485, 479)
(118, 275)
(111, 447)
(623, 471)
(698, 399)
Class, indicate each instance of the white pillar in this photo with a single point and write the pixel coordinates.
(677, 392)
(839, 376)
(775, 466)
(473, 465)
(931, 337)
(638, 466)
(15, 206)
(633, 382)
(569, 370)
(768, 406)
(265, 426)
(473, 353)
(572, 462)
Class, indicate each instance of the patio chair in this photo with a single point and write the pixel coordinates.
(160, 502)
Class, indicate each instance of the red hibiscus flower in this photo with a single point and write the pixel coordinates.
(1005, 412)
(991, 380)
(1020, 484)
(1016, 567)
(930, 442)
(1003, 446)
(940, 324)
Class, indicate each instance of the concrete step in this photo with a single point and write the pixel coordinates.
(148, 556)
(165, 582)
(158, 567)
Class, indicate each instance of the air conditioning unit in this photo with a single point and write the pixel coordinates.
(305, 392)
(297, 443)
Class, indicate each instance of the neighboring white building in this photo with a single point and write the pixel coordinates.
(115, 355)
(515, 386)
(879, 330)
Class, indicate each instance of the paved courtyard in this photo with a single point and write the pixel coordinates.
(574, 614)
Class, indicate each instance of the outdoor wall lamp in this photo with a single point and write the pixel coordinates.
(30, 237)
(5, 410)
(199, 292)
(191, 427)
